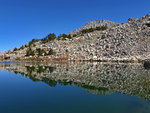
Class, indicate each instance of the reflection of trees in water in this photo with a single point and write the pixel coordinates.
(95, 78)
(30, 69)
(40, 69)
(90, 89)
(95, 90)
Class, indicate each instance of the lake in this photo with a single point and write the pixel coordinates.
(83, 87)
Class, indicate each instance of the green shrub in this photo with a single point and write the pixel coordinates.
(51, 36)
(51, 52)
(64, 37)
(26, 46)
(41, 52)
(15, 49)
(102, 28)
(44, 40)
(30, 52)
(74, 35)
(32, 42)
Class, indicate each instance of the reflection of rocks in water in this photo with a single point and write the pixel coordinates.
(130, 79)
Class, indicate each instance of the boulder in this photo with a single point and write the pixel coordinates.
(147, 64)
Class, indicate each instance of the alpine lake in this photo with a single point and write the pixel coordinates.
(82, 87)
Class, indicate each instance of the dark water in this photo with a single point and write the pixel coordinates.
(74, 88)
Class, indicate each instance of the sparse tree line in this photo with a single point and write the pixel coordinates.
(102, 28)
(39, 52)
(84, 31)
(52, 36)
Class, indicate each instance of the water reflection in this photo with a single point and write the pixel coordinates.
(95, 78)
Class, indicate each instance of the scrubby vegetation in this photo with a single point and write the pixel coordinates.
(74, 35)
(148, 24)
(52, 36)
(102, 28)
(41, 52)
(15, 49)
(64, 37)
(49, 38)
(32, 42)
(30, 52)
(51, 52)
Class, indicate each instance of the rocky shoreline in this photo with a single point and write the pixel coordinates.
(109, 60)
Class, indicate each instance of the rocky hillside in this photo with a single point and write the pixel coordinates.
(126, 42)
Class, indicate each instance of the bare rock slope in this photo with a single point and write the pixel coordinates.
(128, 41)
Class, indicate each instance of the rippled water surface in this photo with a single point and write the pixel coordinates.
(74, 88)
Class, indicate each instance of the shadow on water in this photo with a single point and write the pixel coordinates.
(95, 78)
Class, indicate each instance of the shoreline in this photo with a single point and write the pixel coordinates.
(56, 60)
(67, 59)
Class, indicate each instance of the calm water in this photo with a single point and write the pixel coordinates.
(74, 88)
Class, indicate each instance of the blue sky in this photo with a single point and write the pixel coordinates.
(23, 20)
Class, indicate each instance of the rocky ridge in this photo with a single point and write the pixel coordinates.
(94, 24)
(126, 42)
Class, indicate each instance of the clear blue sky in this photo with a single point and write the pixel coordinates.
(23, 20)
